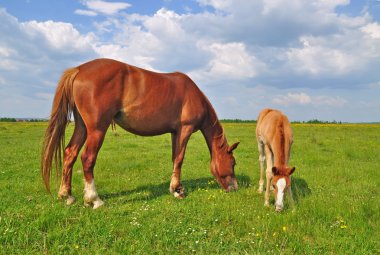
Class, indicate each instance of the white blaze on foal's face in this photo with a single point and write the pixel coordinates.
(279, 193)
(281, 182)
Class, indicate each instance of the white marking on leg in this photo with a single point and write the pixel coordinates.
(281, 184)
(91, 196)
(90, 193)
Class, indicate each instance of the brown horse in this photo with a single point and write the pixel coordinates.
(274, 139)
(142, 102)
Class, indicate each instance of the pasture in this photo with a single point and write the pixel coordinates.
(335, 186)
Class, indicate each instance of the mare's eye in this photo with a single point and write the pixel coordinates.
(273, 186)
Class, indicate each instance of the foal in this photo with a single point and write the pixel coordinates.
(274, 139)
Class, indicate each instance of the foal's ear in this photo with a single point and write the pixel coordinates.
(292, 170)
(274, 170)
(232, 147)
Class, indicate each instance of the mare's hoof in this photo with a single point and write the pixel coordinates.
(94, 204)
(98, 203)
(179, 193)
(69, 199)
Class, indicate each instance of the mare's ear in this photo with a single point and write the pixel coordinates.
(292, 170)
(232, 147)
(274, 170)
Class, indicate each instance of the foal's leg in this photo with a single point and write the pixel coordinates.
(261, 159)
(70, 156)
(269, 174)
(93, 143)
(179, 142)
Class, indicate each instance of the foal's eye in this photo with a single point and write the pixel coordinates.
(273, 186)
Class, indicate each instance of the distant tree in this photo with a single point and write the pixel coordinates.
(7, 120)
(237, 121)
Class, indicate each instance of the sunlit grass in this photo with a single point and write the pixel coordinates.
(336, 187)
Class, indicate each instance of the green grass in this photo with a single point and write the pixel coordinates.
(336, 188)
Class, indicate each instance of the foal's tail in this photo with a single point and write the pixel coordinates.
(54, 141)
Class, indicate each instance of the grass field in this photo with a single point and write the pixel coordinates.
(336, 188)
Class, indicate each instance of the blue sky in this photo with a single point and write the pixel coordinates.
(312, 59)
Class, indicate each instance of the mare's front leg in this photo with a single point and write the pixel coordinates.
(179, 142)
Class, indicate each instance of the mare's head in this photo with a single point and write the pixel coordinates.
(222, 167)
(281, 181)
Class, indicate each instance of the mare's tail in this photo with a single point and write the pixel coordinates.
(54, 141)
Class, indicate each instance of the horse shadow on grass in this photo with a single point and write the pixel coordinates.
(300, 189)
(153, 191)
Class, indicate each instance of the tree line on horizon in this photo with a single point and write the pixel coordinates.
(313, 121)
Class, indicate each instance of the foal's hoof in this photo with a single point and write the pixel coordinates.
(260, 190)
(266, 204)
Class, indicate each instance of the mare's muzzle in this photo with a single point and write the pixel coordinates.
(231, 184)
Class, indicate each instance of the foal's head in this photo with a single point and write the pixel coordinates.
(223, 168)
(281, 182)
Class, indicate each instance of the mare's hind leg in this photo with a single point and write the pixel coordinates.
(261, 159)
(93, 143)
(179, 142)
(70, 156)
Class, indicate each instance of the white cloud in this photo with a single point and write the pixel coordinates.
(227, 49)
(103, 7)
(60, 35)
(85, 12)
(217, 4)
(320, 60)
(296, 98)
(304, 99)
(372, 29)
(6, 52)
(229, 61)
(32, 55)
